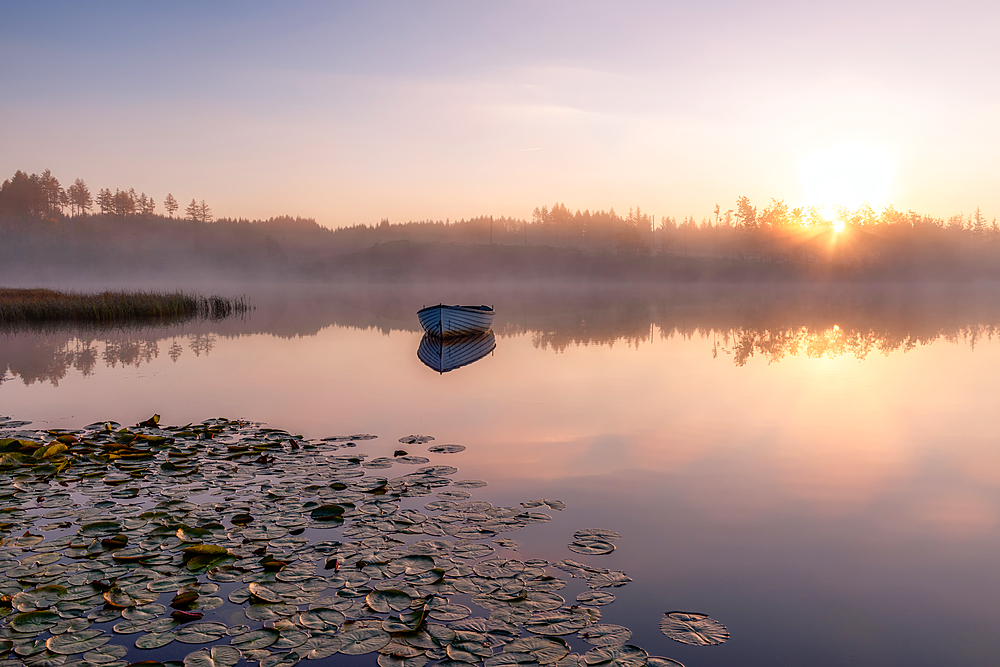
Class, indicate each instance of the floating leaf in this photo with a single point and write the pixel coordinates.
(546, 650)
(446, 449)
(596, 534)
(616, 656)
(218, 656)
(327, 513)
(384, 601)
(255, 639)
(34, 622)
(155, 640)
(321, 646)
(105, 654)
(592, 547)
(692, 628)
(363, 640)
(606, 635)
(657, 661)
(597, 598)
(200, 633)
(76, 642)
(556, 622)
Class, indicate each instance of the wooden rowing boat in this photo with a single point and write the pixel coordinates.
(447, 354)
(447, 321)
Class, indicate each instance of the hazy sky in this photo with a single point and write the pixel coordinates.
(349, 112)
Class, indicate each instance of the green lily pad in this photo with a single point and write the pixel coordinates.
(200, 633)
(694, 629)
(76, 642)
(255, 639)
(34, 622)
(105, 654)
(217, 656)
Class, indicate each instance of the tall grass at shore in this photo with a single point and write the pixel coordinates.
(22, 306)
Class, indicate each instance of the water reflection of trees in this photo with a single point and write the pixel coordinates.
(50, 356)
(741, 324)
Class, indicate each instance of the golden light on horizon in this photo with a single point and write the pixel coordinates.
(838, 226)
(848, 175)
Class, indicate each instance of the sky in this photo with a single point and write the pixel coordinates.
(350, 112)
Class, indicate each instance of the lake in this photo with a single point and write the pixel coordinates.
(816, 469)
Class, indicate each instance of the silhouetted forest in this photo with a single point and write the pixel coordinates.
(51, 230)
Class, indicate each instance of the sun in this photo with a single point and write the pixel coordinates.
(848, 175)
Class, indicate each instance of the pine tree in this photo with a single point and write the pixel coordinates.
(204, 212)
(170, 204)
(192, 211)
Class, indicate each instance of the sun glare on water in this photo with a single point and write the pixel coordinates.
(848, 175)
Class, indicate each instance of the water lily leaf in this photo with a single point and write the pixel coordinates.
(692, 628)
(556, 622)
(469, 651)
(607, 579)
(384, 601)
(255, 639)
(545, 650)
(606, 635)
(592, 547)
(100, 528)
(625, 655)
(264, 593)
(280, 660)
(34, 622)
(446, 449)
(449, 612)
(105, 654)
(76, 642)
(218, 656)
(327, 513)
(510, 659)
(321, 646)
(196, 550)
(116, 597)
(171, 583)
(596, 534)
(200, 633)
(416, 439)
(363, 640)
(155, 640)
(598, 598)
(657, 661)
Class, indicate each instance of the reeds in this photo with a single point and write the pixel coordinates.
(23, 306)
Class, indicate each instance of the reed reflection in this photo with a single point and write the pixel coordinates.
(763, 324)
(444, 355)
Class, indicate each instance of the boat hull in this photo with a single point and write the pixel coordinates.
(450, 321)
(447, 354)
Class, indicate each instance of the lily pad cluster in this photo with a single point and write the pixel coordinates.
(225, 541)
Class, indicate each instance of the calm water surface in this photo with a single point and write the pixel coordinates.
(822, 479)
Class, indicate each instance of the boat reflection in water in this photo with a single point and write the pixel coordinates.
(447, 354)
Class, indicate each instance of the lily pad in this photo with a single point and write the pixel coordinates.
(446, 449)
(76, 642)
(694, 629)
(34, 622)
(218, 656)
(363, 640)
(606, 635)
(255, 639)
(616, 656)
(546, 650)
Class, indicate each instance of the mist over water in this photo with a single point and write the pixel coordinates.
(813, 467)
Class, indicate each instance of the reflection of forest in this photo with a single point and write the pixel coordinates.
(769, 323)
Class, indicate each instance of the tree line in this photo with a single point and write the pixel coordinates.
(787, 240)
(42, 196)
